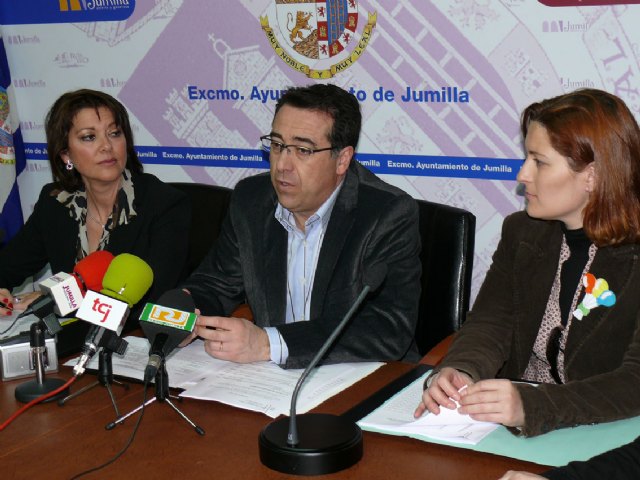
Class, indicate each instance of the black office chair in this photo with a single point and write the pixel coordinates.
(209, 205)
(448, 236)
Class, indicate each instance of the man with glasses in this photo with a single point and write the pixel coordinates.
(298, 242)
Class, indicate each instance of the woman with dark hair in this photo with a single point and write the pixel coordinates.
(99, 200)
(559, 305)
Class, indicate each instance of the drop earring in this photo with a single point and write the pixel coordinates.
(69, 165)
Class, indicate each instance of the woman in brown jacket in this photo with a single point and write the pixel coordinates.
(560, 305)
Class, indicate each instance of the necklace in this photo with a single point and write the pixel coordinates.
(91, 217)
(100, 222)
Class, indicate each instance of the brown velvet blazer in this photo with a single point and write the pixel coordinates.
(602, 354)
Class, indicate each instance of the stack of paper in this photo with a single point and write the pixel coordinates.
(262, 387)
(396, 417)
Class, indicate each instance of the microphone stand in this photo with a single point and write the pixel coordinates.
(38, 361)
(42, 308)
(105, 378)
(162, 396)
(330, 443)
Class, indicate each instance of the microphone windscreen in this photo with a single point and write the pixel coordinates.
(178, 299)
(375, 275)
(127, 279)
(90, 271)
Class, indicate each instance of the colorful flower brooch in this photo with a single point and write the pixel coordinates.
(597, 293)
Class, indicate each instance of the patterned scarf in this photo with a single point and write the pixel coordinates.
(123, 212)
(538, 369)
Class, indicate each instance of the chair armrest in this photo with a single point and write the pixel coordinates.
(437, 353)
(243, 311)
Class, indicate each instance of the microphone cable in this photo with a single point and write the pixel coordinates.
(13, 324)
(35, 401)
(127, 445)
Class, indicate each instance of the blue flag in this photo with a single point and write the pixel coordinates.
(12, 158)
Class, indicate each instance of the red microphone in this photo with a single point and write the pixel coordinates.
(90, 271)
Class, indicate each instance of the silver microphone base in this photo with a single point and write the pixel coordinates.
(328, 444)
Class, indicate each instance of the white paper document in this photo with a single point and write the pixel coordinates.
(395, 416)
(267, 388)
(262, 387)
(184, 365)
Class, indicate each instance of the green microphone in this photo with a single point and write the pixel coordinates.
(127, 279)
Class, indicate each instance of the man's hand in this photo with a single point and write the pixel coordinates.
(444, 387)
(234, 339)
(493, 401)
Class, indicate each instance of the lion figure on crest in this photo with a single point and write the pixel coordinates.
(302, 23)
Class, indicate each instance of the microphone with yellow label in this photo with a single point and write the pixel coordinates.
(166, 324)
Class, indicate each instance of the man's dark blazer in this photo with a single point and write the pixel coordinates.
(371, 223)
(158, 234)
(602, 354)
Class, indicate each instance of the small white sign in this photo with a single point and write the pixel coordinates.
(103, 311)
(65, 292)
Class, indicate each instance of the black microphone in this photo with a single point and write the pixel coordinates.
(335, 443)
(166, 324)
(96, 338)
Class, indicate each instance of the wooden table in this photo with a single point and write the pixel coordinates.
(55, 442)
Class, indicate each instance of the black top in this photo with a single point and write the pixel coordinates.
(158, 234)
(572, 269)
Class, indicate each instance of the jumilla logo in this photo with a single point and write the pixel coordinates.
(71, 299)
(66, 5)
(32, 12)
(78, 5)
(317, 38)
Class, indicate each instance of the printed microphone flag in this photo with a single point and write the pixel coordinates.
(12, 158)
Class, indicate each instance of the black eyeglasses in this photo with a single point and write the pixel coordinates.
(553, 350)
(276, 148)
